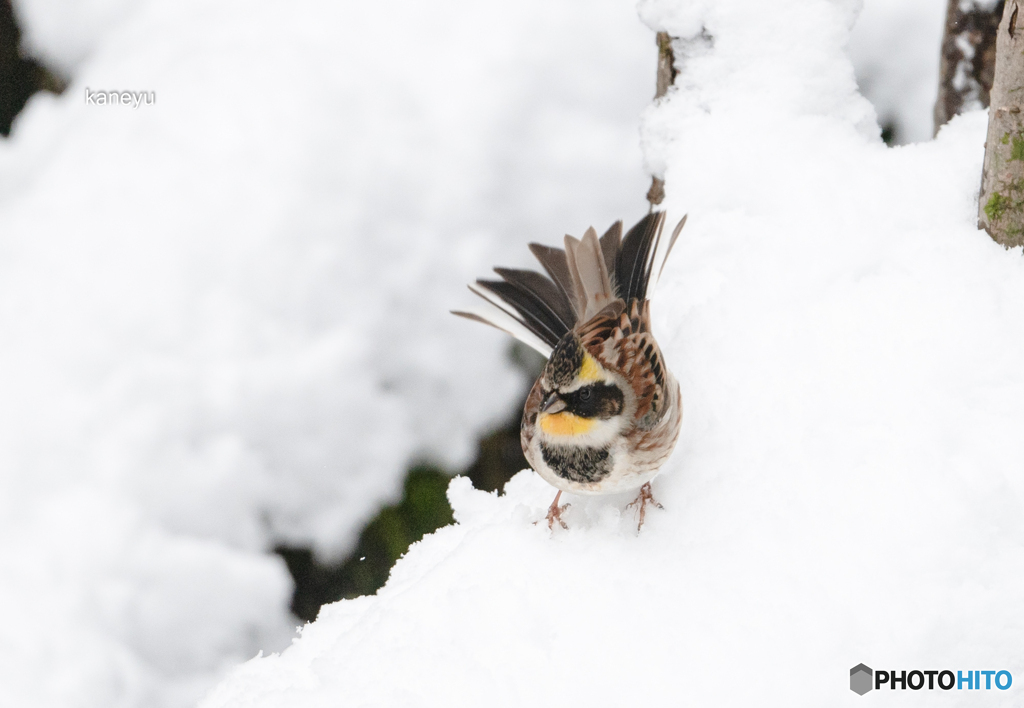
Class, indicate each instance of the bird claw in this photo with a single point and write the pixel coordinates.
(555, 513)
(642, 500)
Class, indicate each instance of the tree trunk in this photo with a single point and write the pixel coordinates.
(666, 75)
(1001, 202)
(968, 59)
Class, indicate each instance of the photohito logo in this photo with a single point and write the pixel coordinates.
(860, 679)
(863, 679)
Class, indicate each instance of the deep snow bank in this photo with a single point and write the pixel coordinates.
(224, 315)
(848, 483)
(255, 271)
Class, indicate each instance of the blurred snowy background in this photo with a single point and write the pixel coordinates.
(224, 316)
(895, 48)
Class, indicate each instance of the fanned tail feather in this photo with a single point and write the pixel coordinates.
(539, 317)
(589, 277)
(589, 273)
(509, 324)
(671, 243)
(636, 256)
(610, 243)
(557, 265)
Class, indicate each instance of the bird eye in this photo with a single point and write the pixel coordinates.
(595, 401)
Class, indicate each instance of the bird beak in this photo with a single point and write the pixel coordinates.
(552, 404)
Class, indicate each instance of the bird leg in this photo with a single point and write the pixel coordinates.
(643, 499)
(555, 512)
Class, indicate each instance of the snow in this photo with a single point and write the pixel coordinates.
(252, 324)
(102, 607)
(225, 314)
(848, 483)
(895, 49)
(64, 33)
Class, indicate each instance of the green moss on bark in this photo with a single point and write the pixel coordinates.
(996, 206)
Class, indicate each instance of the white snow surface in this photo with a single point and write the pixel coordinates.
(848, 483)
(225, 315)
(255, 272)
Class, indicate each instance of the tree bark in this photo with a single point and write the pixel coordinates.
(968, 59)
(665, 77)
(1001, 202)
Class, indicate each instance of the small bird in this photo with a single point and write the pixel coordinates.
(605, 413)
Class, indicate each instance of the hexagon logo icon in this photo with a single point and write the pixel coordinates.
(860, 679)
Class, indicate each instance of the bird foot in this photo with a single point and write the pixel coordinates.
(642, 500)
(555, 513)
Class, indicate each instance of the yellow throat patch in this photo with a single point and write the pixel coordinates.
(565, 424)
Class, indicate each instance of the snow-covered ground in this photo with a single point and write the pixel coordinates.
(225, 325)
(225, 315)
(849, 480)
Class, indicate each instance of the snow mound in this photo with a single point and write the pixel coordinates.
(225, 313)
(102, 607)
(256, 271)
(848, 483)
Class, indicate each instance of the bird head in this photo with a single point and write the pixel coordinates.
(584, 402)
